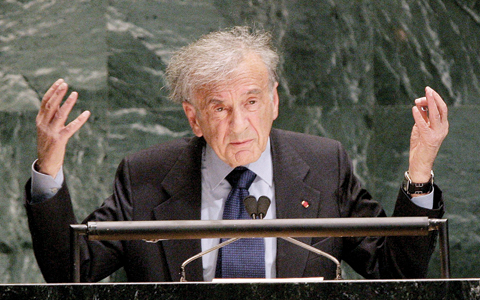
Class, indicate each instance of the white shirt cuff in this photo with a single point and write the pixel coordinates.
(45, 186)
(425, 201)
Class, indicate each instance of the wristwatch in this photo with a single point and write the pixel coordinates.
(417, 188)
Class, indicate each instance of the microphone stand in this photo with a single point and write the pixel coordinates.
(183, 277)
(264, 204)
(250, 203)
(319, 252)
(260, 210)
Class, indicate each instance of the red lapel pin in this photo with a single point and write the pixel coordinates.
(305, 204)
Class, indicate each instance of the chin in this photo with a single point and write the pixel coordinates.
(245, 158)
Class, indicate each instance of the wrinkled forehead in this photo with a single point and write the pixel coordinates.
(223, 92)
(246, 80)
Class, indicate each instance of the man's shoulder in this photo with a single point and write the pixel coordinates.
(293, 150)
(302, 140)
(166, 152)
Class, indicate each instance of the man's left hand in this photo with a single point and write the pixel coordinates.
(430, 129)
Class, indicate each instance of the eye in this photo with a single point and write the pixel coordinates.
(219, 109)
(252, 104)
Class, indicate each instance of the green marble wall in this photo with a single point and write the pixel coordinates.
(350, 71)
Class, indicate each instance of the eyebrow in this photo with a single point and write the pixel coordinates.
(254, 91)
(214, 100)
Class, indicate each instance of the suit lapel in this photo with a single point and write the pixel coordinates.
(290, 172)
(183, 184)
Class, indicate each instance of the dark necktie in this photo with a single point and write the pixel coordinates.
(245, 257)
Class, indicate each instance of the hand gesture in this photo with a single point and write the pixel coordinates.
(52, 134)
(430, 129)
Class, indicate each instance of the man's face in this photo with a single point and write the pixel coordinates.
(236, 117)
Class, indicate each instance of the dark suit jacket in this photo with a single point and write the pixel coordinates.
(164, 183)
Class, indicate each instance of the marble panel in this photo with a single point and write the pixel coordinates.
(40, 42)
(420, 43)
(45, 40)
(142, 37)
(17, 146)
(349, 70)
(328, 53)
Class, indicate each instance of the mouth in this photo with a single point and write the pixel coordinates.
(241, 143)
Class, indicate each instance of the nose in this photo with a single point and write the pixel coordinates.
(238, 120)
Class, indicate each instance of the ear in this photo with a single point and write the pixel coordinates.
(275, 101)
(191, 114)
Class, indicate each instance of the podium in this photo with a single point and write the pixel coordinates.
(432, 289)
(283, 228)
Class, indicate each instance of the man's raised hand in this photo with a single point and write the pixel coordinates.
(430, 129)
(52, 133)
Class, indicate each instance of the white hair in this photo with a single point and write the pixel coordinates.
(214, 57)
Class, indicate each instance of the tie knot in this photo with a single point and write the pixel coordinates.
(241, 178)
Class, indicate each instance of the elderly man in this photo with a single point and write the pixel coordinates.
(226, 82)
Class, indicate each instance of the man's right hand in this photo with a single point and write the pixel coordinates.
(52, 134)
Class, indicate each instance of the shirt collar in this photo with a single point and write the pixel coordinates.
(214, 170)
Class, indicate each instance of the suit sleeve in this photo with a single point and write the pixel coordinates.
(49, 226)
(384, 257)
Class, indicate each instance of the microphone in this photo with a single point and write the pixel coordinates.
(257, 209)
(250, 203)
(262, 206)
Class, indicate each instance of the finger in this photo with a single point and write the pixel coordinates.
(420, 121)
(52, 104)
(422, 101)
(421, 104)
(434, 114)
(62, 113)
(50, 92)
(442, 106)
(76, 124)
